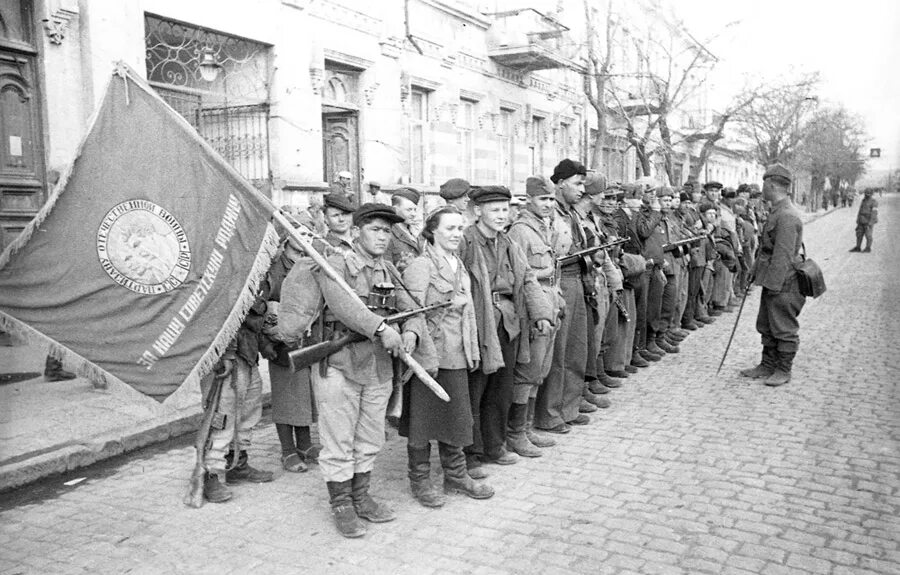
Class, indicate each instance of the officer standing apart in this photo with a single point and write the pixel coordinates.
(866, 219)
(352, 386)
(781, 300)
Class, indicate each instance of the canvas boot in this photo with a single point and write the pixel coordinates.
(456, 479)
(420, 477)
(782, 373)
(475, 467)
(366, 507)
(243, 472)
(345, 518)
(516, 438)
(214, 490)
(766, 365)
(535, 438)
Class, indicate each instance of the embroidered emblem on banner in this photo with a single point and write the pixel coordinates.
(143, 248)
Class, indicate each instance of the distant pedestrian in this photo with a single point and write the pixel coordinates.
(866, 218)
(781, 300)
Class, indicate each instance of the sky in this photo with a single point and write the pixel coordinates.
(855, 45)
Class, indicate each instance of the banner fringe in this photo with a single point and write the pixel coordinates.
(185, 394)
(100, 378)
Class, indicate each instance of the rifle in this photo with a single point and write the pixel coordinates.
(194, 496)
(576, 257)
(672, 246)
(306, 356)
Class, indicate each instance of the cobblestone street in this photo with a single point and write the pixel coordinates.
(687, 472)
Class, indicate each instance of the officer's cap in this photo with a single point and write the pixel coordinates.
(454, 188)
(485, 194)
(373, 210)
(729, 193)
(684, 197)
(779, 173)
(341, 201)
(713, 186)
(410, 194)
(566, 169)
(536, 186)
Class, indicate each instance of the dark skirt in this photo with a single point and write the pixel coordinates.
(292, 397)
(425, 417)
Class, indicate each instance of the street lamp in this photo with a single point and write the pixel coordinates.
(209, 67)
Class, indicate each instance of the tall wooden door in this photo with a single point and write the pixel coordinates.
(341, 146)
(22, 177)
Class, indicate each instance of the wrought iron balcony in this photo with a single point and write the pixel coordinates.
(527, 40)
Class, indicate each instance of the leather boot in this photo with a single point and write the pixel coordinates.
(476, 469)
(53, 370)
(782, 373)
(366, 507)
(214, 490)
(689, 325)
(606, 377)
(597, 388)
(456, 478)
(535, 438)
(594, 400)
(654, 348)
(345, 518)
(420, 477)
(638, 361)
(630, 368)
(648, 355)
(664, 345)
(243, 472)
(766, 365)
(516, 439)
(706, 320)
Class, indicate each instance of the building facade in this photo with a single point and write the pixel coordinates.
(291, 92)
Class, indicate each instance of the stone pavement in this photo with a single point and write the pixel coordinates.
(688, 472)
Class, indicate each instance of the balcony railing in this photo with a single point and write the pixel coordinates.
(527, 40)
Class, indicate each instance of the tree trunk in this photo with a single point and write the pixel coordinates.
(666, 137)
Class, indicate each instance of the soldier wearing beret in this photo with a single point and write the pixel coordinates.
(352, 386)
(509, 306)
(559, 399)
(338, 214)
(405, 246)
(866, 218)
(534, 231)
(781, 301)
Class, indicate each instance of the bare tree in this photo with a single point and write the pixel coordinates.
(597, 70)
(830, 148)
(774, 120)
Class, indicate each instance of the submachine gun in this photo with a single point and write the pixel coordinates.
(577, 256)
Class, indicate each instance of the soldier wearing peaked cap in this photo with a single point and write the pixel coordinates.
(866, 218)
(509, 306)
(781, 301)
(455, 192)
(338, 214)
(405, 244)
(352, 386)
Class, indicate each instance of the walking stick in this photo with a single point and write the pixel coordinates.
(734, 329)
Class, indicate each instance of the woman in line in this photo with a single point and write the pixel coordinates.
(446, 343)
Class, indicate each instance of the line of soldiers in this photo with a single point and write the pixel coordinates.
(532, 323)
